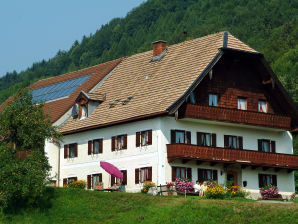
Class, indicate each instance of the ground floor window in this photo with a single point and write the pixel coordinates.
(181, 172)
(207, 174)
(94, 180)
(67, 181)
(143, 174)
(115, 180)
(267, 179)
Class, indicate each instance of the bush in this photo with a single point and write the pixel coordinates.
(215, 192)
(183, 184)
(81, 184)
(235, 191)
(269, 191)
(146, 186)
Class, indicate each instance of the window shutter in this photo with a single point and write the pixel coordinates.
(173, 136)
(240, 142)
(173, 173)
(260, 180)
(260, 145)
(112, 180)
(199, 138)
(89, 181)
(274, 180)
(100, 177)
(124, 142)
(150, 137)
(65, 151)
(138, 138)
(188, 137)
(200, 175)
(100, 145)
(188, 173)
(124, 177)
(214, 174)
(113, 143)
(89, 147)
(64, 182)
(76, 149)
(273, 146)
(226, 141)
(213, 140)
(75, 178)
(137, 173)
(149, 173)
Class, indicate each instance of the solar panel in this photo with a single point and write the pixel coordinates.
(58, 90)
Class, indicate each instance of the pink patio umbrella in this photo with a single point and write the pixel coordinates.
(111, 169)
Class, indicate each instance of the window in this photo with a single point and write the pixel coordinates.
(119, 142)
(84, 112)
(143, 174)
(144, 138)
(206, 139)
(206, 174)
(233, 142)
(69, 180)
(180, 136)
(95, 146)
(115, 180)
(213, 100)
(71, 150)
(93, 180)
(242, 104)
(266, 145)
(267, 179)
(262, 106)
(191, 98)
(181, 172)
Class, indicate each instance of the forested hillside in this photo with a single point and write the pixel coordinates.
(269, 26)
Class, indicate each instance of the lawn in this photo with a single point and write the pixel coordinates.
(80, 206)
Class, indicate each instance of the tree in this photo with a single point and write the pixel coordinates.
(24, 128)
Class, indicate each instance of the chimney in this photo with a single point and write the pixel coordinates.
(158, 47)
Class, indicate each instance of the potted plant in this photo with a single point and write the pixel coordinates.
(170, 186)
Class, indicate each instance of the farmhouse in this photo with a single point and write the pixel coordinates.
(208, 108)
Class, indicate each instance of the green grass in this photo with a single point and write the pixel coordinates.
(80, 206)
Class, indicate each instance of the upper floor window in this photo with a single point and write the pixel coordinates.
(206, 174)
(206, 139)
(180, 136)
(84, 111)
(266, 145)
(233, 142)
(95, 146)
(143, 174)
(71, 150)
(242, 104)
(262, 106)
(144, 138)
(213, 100)
(267, 179)
(119, 142)
(191, 98)
(181, 172)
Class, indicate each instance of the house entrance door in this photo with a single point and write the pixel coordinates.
(232, 177)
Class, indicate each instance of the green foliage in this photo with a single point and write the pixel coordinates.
(24, 124)
(77, 206)
(22, 181)
(81, 184)
(268, 26)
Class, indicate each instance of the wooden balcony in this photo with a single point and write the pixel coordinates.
(228, 156)
(237, 116)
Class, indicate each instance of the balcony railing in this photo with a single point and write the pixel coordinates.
(224, 155)
(237, 116)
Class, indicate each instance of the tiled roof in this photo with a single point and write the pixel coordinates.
(155, 86)
(59, 107)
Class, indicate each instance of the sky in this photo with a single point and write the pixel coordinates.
(32, 30)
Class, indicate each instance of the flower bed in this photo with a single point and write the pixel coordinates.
(146, 186)
(183, 185)
(270, 192)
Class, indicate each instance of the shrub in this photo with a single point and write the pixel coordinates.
(235, 191)
(269, 191)
(183, 184)
(215, 192)
(78, 184)
(146, 186)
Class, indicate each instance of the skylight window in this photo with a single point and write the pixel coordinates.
(58, 90)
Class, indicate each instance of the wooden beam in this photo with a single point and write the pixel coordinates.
(265, 168)
(243, 166)
(226, 165)
(290, 170)
(185, 160)
(277, 169)
(212, 163)
(199, 162)
(254, 167)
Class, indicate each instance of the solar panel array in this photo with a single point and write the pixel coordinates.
(58, 90)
